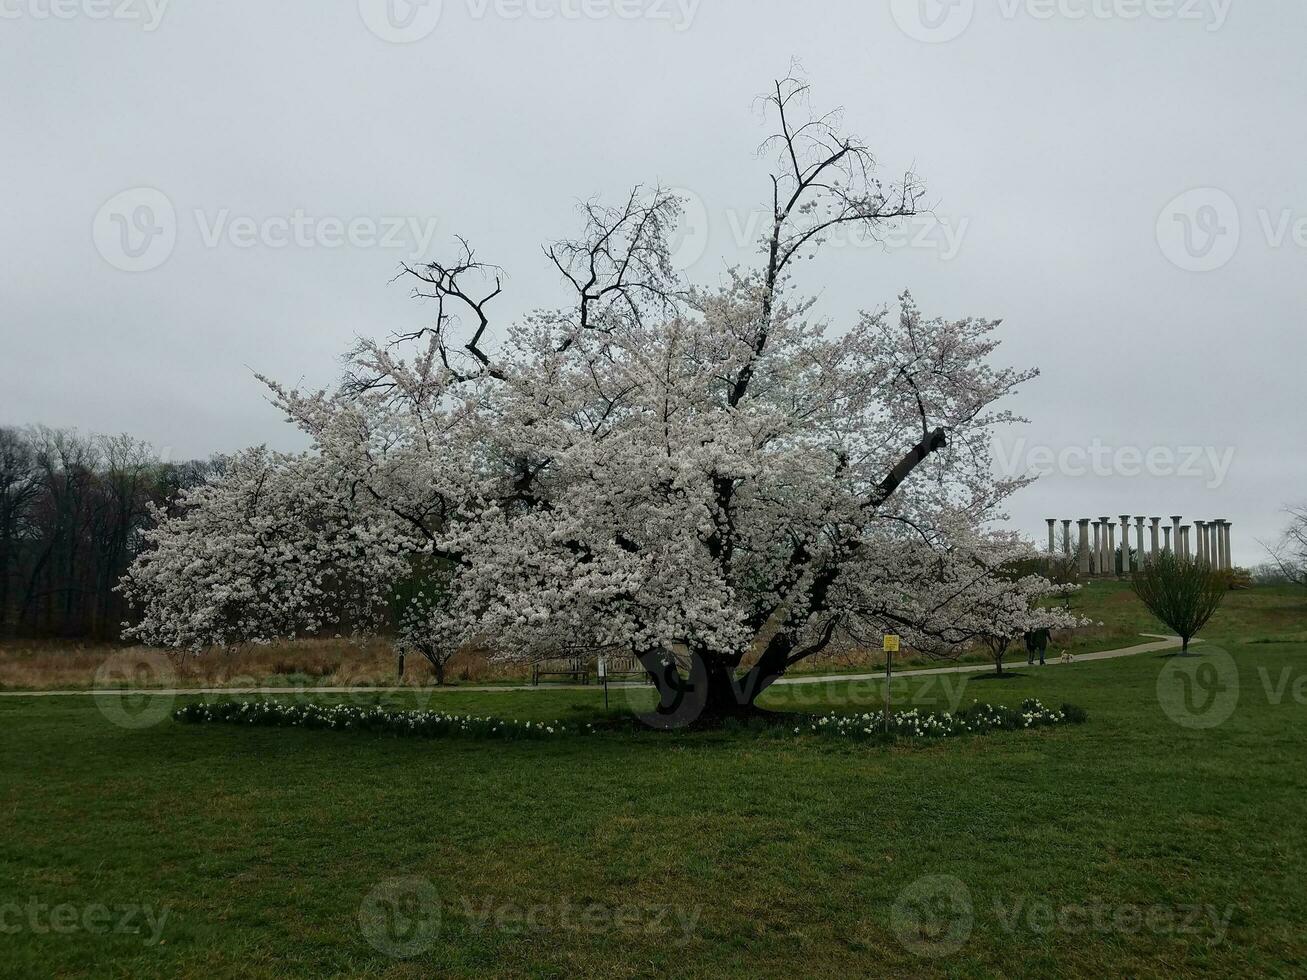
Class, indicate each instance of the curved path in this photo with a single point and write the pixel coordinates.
(1159, 643)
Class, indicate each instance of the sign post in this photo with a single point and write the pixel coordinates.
(891, 648)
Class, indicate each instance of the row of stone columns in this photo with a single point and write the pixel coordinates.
(1206, 541)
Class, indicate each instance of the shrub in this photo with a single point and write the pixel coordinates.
(1182, 593)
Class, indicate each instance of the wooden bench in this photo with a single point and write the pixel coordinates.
(577, 668)
(623, 667)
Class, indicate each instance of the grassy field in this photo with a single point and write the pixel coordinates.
(1140, 843)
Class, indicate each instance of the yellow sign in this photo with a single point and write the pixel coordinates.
(891, 643)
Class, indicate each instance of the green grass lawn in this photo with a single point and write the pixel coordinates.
(1132, 845)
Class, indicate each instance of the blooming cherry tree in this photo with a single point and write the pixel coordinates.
(707, 477)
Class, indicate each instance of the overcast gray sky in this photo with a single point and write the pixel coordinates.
(192, 192)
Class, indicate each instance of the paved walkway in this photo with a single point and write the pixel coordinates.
(1159, 643)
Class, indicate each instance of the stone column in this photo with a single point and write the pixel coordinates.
(1223, 544)
(1066, 538)
(1167, 546)
(1052, 535)
(1157, 548)
(1106, 564)
(1184, 542)
(1125, 544)
(1175, 536)
(1215, 558)
(1085, 567)
(1098, 548)
(1111, 548)
(1139, 537)
(1200, 543)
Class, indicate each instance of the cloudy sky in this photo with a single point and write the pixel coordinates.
(194, 192)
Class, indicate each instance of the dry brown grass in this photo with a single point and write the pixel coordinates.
(39, 665)
(46, 665)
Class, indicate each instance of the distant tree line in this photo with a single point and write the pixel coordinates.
(72, 511)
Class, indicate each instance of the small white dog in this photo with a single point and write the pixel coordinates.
(1066, 658)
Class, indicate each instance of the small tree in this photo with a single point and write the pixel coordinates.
(998, 647)
(1180, 592)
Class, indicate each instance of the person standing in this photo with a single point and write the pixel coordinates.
(1036, 642)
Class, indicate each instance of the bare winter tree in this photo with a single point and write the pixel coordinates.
(18, 490)
(1290, 553)
(72, 508)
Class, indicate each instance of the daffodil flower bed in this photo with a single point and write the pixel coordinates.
(975, 719)
(430, 724)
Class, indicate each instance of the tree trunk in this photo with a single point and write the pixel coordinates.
(708, 696)
(437, 665)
